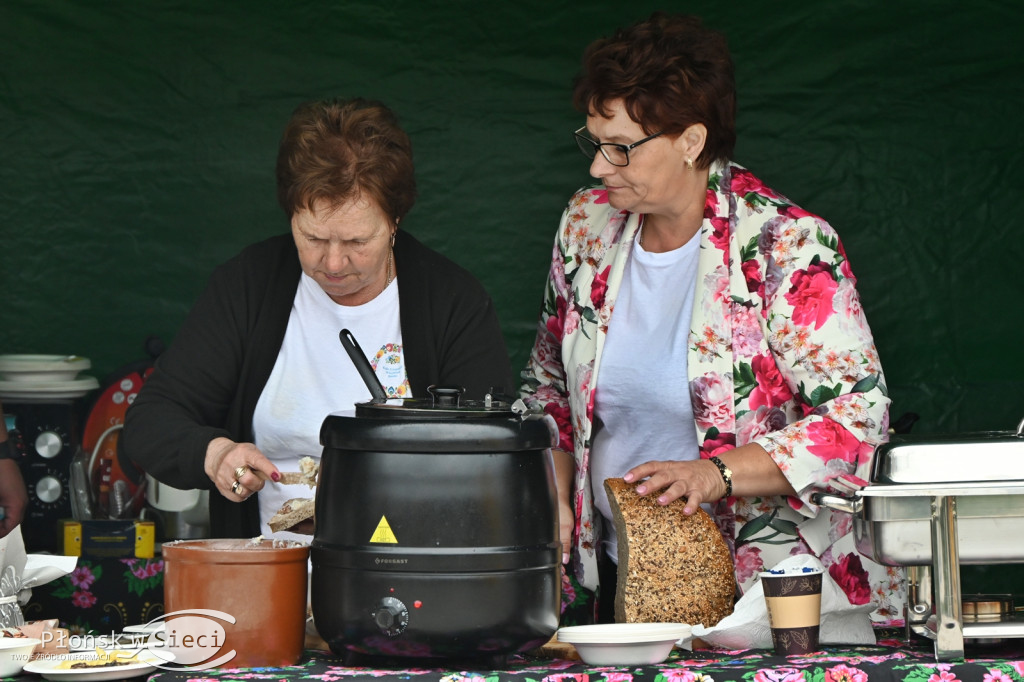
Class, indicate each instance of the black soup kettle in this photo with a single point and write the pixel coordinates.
(436, 529)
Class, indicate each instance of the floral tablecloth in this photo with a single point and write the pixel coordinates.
(101, 596)
(889, 660)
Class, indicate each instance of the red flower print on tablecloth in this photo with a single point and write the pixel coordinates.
(567, 677)
(996, 675)
(849, 574)
(844, 673)
(830, 441)
(811, 295)
(943, 676)
(144, 569)
(771, 389)
(779, 675)
(83, 599)
(618, 677)
(82, 577)
(677, 675)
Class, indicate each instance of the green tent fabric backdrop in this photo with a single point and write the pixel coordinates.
(137, 145)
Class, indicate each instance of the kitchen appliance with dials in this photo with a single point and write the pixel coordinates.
(40, 396)
(44, 435)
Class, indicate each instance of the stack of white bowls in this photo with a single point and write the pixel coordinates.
(44, 378)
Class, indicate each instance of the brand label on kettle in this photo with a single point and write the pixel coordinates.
(383, 533)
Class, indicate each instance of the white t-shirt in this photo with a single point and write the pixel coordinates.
(314, 377)
(643, 364)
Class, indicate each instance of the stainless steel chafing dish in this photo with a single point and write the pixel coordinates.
(933, 503)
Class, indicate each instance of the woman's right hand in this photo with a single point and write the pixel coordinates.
(238, 469)
(566, 522)
(564, 467)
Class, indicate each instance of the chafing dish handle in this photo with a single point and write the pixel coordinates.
(850, 505)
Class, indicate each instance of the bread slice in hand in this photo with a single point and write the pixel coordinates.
(292, 513)
(673, 568)
(307, 473)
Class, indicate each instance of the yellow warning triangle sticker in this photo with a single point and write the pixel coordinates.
(383, 533)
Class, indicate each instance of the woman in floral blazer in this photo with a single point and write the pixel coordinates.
(785, 384)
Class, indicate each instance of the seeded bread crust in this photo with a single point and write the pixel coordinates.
(673, 568)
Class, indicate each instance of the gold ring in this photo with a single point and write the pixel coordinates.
(240, 471)
(235, 487)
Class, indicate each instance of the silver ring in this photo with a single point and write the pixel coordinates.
(240, 471)
(235, 487)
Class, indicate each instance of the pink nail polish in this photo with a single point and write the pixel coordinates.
(276, 476)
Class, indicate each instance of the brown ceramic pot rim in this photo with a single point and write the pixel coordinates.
(235, 551)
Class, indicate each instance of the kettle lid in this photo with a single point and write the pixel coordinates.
(444, 402)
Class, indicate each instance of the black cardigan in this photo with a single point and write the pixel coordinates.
(208, 381)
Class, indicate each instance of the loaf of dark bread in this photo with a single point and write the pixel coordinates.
(673, 568)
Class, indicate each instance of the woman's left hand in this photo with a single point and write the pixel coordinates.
(754, 473)
(697, 480)
(238, 469)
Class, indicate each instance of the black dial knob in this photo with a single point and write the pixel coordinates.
(391, 616)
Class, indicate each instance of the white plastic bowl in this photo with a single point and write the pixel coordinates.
(14, 654)
(624, 643)
(41, 368)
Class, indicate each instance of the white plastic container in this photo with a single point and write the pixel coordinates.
(625, 643)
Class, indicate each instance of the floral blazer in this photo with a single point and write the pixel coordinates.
(780, 354)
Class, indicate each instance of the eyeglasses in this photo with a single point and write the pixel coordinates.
(616, 154)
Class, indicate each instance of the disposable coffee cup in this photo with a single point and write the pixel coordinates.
(793, 598)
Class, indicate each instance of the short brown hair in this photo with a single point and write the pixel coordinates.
(336, 150)
(670, 72)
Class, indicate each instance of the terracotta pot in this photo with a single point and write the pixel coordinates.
(262, 585)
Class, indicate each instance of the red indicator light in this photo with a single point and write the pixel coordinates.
(417, 603)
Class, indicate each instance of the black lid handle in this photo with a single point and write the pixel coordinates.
(445, 396)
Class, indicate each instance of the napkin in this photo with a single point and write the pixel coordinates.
(747, 626)
(20, 572)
